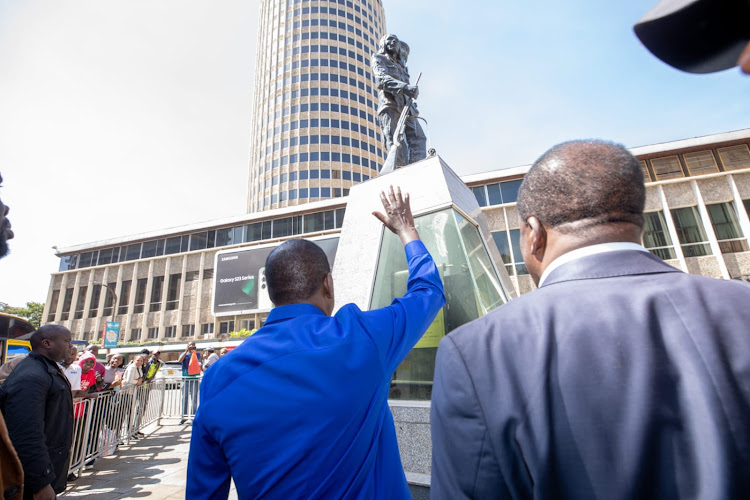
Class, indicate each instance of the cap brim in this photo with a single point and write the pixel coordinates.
(697, 36)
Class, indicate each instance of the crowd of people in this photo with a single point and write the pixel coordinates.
(52, 398)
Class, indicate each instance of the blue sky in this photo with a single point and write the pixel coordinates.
(123, 117)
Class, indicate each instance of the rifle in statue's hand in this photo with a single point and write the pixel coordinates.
(398, 134)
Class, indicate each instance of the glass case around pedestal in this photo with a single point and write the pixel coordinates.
(472, 289)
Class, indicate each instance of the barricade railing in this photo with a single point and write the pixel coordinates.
(102, 421)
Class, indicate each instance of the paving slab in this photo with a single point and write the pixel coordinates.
(154, 467)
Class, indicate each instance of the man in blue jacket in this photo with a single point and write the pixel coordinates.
(300, 409)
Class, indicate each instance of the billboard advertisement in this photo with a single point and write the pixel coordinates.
(111, 334)
(240, 281)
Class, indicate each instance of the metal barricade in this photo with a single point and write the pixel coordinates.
(105, 420)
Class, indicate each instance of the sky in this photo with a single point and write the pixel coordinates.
(118, 118)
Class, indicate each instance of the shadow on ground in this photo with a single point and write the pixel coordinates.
(153, 467)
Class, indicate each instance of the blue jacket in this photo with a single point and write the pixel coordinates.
(300, 409)
(620, 378)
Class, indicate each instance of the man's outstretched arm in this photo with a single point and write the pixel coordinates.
(396, 328)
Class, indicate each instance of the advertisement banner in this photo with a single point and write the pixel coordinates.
(240, 280)
(111, 334)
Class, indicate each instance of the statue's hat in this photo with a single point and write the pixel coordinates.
(697, 36)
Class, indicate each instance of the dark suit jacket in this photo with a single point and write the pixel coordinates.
(38, 409)
(620, 377)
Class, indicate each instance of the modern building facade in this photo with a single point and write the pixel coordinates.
(159, 285)
(314, 130)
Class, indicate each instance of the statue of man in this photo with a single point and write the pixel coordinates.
(394, 92)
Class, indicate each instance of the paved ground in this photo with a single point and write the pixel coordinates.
(154, 467)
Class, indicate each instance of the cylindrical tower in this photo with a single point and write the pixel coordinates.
(315, 130)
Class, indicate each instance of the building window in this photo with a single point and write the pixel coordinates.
(505, 241)
(170, 332)
(140, 295)
(724, 220)
(226, 327)
(247, 324)
(690, 232)
(96, 294)
(53, 306)
(153, 332)
(208, 274)
(125, 297)
(188, 330)
(207, 329)
(156, 291)
(109, 299)
(656, 237)
(173, 292)
(135, 334)
(81, 302)
(747, 206)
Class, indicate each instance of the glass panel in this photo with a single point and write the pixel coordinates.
(501, 240)
(689, 228)
(224, 237)
(105, 256)
(509, 190)
(133, 252)
(149, 249)
(747, 206)
(515, 242)
(493, 194)
(472, 286)
(480, 195)
(282, 227)
(724, 221)
(314, 222)
(340, 212)
(172, 245)
(655, 236)
(199, 241)
(254, 232)
(124, 297)
(328, 220)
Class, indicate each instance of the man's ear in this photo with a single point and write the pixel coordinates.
(537, 240)
(328, 286)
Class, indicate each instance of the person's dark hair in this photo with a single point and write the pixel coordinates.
(294, 271)
(146, 352)
(596, 182)
(44, 333)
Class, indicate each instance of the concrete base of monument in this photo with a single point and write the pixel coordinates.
(370, 270)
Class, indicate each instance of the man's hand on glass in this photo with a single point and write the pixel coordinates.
(398, 217)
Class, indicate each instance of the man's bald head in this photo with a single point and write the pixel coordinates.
(581, 185)
(295, 271)
(51, 341)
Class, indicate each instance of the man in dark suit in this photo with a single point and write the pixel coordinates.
(620, 377)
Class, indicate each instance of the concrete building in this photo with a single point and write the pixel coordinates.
(314, 131)
(159, 285)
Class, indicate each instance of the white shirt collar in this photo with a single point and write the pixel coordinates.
(579, 253)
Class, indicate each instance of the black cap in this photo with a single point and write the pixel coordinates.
(697, 36)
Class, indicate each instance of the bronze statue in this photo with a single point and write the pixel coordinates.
(396, 97)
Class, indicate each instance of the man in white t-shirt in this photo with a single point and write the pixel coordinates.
(72, 370)
(211, 358)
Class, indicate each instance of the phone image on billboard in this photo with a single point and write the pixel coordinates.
(264, 300)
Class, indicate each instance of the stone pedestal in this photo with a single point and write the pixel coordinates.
(370, 270)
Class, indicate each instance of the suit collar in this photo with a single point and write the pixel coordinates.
(609, 265)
